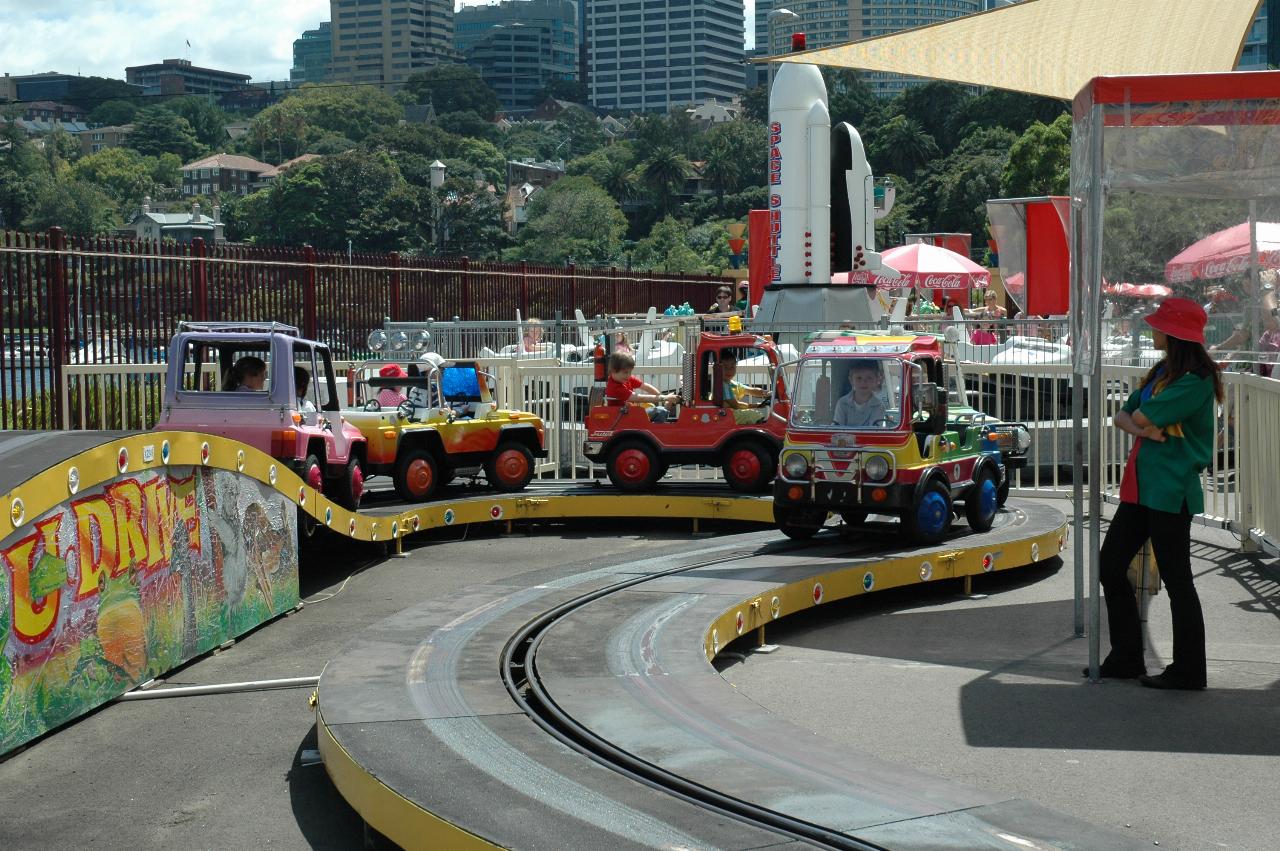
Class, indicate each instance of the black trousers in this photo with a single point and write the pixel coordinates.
(1170, 536)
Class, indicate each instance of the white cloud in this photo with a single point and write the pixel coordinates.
(102, 37)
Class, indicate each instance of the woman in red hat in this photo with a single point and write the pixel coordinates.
(1172, 416)
(391, 397)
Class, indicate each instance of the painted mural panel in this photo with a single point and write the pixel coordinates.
(130, 579)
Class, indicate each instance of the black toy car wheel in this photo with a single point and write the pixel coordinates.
(798, 524)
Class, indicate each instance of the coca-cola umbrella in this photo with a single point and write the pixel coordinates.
(923, 265)
(1225, 253)
(1138, 290)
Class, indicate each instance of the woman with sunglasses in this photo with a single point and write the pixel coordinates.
(724, 301)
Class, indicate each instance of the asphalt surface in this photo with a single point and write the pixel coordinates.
(227, 772)
(986, 691)
(983, 691)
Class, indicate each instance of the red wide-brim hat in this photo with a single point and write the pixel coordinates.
(1181, 318)
(392, 370)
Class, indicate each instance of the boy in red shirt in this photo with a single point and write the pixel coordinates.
(622, 388)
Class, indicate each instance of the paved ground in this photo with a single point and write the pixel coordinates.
(987, 691)
(989, 698)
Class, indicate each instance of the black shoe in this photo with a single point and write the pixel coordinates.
(1113, 670)
(1171, 680)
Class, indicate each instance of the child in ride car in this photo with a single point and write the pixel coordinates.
(862, 406)
(391, 397)
(738, 397)
(622, 387)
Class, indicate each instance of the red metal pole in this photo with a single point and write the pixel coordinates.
(613, 289)
(57, 316)
(309, 292)
(573, 286)
(524, 287)
(395, 287)
(466, 287)
(199, 281)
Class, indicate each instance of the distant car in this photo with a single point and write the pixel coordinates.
(310, 434)
(744, 443)
(448, 425)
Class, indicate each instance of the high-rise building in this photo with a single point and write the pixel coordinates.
(652, 55)
(1256, 54)
(385, 41)
(826, 23)
(313, 56)
(519, 45)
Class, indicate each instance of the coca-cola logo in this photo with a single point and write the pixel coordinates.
(943, 282)
(1223, 266)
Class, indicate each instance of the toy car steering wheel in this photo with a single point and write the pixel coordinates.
(372, 405)
(405, 409)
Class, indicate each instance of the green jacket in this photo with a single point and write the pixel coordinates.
(1169, 472)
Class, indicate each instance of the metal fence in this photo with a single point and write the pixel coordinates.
(117, 301)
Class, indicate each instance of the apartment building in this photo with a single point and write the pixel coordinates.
(383, 42)
(519, 45)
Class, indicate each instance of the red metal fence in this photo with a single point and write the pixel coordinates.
(71, 300)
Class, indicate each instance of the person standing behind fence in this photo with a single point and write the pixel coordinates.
(532, 340)
(1173, 416)
(985, 334)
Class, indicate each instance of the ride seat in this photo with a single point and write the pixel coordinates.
(595, 396)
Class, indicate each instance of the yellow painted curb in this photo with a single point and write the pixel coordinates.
(385, 810)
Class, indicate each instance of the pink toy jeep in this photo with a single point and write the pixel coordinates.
(290, 411)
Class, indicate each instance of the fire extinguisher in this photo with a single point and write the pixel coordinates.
(598, 356)
(351, 388)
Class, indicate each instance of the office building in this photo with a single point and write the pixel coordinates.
(826, 23)
(519, 45)
(1258, 54)
(313, 56)
(653, 55)
(383, 42)
(180, 77)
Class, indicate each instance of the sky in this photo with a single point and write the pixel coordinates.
(101, 37)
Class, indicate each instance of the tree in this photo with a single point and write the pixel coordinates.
(312, 112)
(454, 88)
(665, 249)
(961, 184)
(77, 208)
(933, 106)
(61, 148)
(468, 122)
(282, 125)
(208, 121)
(156, 131)
(573, 218)
(580, 129)
(21, 165)
(1013, 110)
(113, 112)
(1040, 161)
(123, 174)
(755, 104)
(736, 154)
(88, 92)
(851, 99)
(902, 146)
(665, 171)
(471, 217)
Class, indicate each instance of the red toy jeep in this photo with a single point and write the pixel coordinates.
(706, 428)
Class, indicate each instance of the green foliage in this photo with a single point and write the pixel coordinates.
(1012, 110)
(704, 208)
(665, 249)
(1144, 231)
(454, 88)
(933, 106)
(851, 99)
(664, 171)
(208, 121)
(157, 131)
(1040, 161)
(312, 113)
(612, 167)
(89, 92)
(573, 218)
(21, 164)
(902, 146)
(113, 113)
(78, 208)
(735, 154)
(468, 221)
(527, 142)
(961, 184)
(580, 132)
(573, 91)
(755, 105)
(123, 174)
(468, 122)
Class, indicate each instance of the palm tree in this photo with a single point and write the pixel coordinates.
(620, 180)
(723, 170)
(665, 171)
(904, 145)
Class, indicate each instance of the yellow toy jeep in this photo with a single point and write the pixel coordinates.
(434, 421)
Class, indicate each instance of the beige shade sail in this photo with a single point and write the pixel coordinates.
(1054, 47)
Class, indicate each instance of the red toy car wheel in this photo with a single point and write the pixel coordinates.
(349, 490)
(748, 467)
(510, 468)
(313, 473)
(416, 476)
(633, 467)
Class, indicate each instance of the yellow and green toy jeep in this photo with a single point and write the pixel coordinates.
(431, 422)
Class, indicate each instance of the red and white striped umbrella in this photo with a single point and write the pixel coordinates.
(1138, 290)
(923, 265)
(1226, 252)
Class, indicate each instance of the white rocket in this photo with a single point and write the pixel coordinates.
(800, 186)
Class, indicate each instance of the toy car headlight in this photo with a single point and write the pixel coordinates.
(421, 340)
(1023, 437)
(377, 340)
(795, 465)
(399, 341)
(876, 468)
